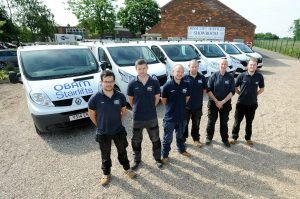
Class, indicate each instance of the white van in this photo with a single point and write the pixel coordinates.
(211, 55)
(243, 48)
(121, 57)
(172, 53)
(58, 82)
(234, 53)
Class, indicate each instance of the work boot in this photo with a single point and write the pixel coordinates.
(198, 144)
(105, 180)
(186, 154)
(129, 173)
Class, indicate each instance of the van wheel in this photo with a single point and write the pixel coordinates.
(38, 131)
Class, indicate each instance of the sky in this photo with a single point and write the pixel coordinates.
(275, 16)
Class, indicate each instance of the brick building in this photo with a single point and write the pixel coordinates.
(177, 15)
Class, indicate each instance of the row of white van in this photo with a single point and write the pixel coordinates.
(162, 56)
(59, 80)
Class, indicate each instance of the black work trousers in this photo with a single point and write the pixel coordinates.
(249, 112)
(195, 116)
(213, 112)
(137, 138)
(121, 143)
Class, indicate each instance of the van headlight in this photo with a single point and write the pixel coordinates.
(126, 77)
(40, 98)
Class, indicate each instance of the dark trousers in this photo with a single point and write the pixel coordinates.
(195, 116)
(249, 112)
(137, 138)
(169, 128)
(213, 112)
(121, 143)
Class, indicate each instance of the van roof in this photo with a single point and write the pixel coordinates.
(50, 47)
(99, 44)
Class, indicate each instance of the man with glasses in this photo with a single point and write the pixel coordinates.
(106, 109)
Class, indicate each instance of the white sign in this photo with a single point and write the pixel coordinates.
(206, 33)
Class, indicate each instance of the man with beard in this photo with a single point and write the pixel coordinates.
(249, 85)
(198, 85)
(106, 109)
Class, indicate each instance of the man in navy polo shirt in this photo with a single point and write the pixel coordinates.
(249, 85)
(198, 85)
(143, 95)
(220, 89)
(105, 109)
(175, 96)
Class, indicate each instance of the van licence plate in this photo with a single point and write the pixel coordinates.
(78, 116)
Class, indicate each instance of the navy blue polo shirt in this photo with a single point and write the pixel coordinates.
(196, 85)
(221, 85)
(176, 100)
(143, 98)
(248, 86)
(108, 112)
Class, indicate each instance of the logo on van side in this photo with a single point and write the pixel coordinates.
(68, 90)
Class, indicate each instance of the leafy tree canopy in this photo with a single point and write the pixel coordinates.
(97, 16)
(139, 15)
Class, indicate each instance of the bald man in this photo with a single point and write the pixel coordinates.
(220, 89)
(175, 95)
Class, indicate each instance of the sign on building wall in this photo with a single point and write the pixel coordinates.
(206, 33)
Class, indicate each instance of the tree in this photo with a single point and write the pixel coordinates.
(8, 30)
(139, 15)
(296, 29)
(34, 16)
(97, 16)
(267, 35)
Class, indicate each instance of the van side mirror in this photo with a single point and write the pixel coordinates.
(105, 65)
(14, 77)
(163, 59)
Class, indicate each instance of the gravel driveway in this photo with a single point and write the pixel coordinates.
(67, 164)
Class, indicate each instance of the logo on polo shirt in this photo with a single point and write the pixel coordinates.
(184, 90)
(200, 81)
(256, 82)
(149, 88)
(117, 101)
(227, 82)
(136, 88)
(172, 91)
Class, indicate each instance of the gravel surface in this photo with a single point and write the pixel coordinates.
(67, 164)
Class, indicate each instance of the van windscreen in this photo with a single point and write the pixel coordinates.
(127, 55)
(210, 50)
(58, 63)
(182, 52)
(244, 48)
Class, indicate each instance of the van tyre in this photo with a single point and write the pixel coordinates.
(38, 131)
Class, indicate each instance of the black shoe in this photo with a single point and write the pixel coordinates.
(159, 164)
(226, 144)
(135, 165)
(208, 141)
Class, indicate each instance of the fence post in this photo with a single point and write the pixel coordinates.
(293, 47)
(287, 41)
(276, 45)
(280, 45)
